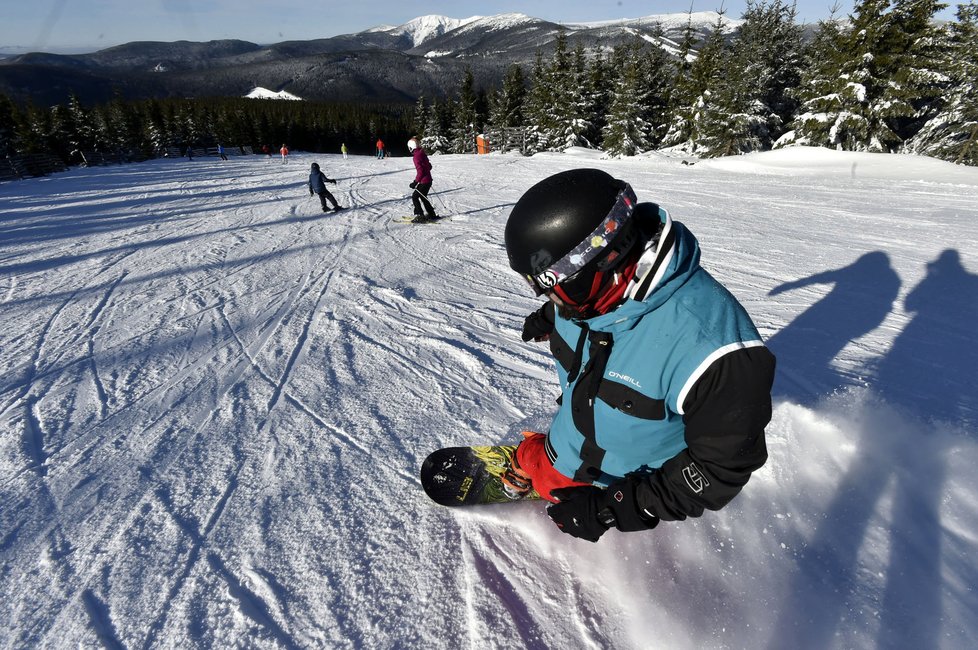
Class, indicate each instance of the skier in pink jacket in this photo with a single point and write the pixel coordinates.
(423, 212)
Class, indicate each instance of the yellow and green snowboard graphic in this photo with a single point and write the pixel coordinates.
(464, 476)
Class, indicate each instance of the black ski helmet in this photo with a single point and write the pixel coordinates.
(580, 216)
(315, 167)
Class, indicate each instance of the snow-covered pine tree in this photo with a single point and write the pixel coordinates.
(506, 103)
(952, 134)
(506, 120)
(419, 121)
(559, 76)
(657, 73)
(80, 126)
(153, 133)
(464, 127)
(626, 130)
(557, 106)
(30, 130)
(59, 134)
(875, 100)
(120, 126)
(189, 124)
(751, 104)
(8, 122)
(920, 46)
(537, 111)
(708, 73)
(816, 93)
(684, 94)
(599, 95)
(565, 121)
(858, 109)
(579, 121)
(434, 139)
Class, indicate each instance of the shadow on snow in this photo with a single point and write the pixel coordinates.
(929, 373)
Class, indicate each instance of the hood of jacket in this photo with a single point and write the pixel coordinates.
(668, 262)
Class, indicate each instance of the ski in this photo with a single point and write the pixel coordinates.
(410, 219)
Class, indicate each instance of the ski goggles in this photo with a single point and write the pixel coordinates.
(593, 246)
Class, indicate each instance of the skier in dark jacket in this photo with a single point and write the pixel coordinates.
(317, 185)
(423, 212)
(665, 381)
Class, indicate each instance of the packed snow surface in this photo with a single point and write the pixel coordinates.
(215, 399)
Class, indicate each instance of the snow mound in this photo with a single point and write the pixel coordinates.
(795, 161)
(264, 93)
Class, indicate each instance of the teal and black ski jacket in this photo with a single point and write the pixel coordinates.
(674, 384)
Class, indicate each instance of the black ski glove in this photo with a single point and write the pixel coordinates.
(333, 181)
(588, 511)
(414, 184)
(539, 325)
(311, 192)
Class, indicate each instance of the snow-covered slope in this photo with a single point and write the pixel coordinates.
(498, 22)
(669, 22)
(425, 28)
(214, 401)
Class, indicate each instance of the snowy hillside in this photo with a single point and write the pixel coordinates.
(263, 93)
(215, 399)
(425, 28)
(669, 22)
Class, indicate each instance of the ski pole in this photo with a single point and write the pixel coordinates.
(444, 208)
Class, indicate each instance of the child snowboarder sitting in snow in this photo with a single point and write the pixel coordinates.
(317, 185)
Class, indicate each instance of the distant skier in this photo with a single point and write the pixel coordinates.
(317, 185)
(343, 150)
(220, 152)
(422, 183)
(380, 149)
(285, 154)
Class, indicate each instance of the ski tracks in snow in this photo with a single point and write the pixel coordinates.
(522, 583)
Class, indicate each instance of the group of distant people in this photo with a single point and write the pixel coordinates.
(424, 212)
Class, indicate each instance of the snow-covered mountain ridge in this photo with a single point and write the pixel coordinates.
(674, 21)
(424, 28)
(383, 59)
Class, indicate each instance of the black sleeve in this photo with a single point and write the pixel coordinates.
(725, 415)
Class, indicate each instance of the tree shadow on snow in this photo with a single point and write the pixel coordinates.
(929, 373)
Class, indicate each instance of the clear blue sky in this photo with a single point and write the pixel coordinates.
(78, 25)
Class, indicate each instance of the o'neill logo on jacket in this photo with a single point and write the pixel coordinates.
(695, 479)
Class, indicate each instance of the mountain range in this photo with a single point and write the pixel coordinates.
(425, 56)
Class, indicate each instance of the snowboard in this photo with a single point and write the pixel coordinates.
(465, 476)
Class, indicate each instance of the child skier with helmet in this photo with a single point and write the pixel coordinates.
(317, 185)
(423, 212)
(665, 381)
